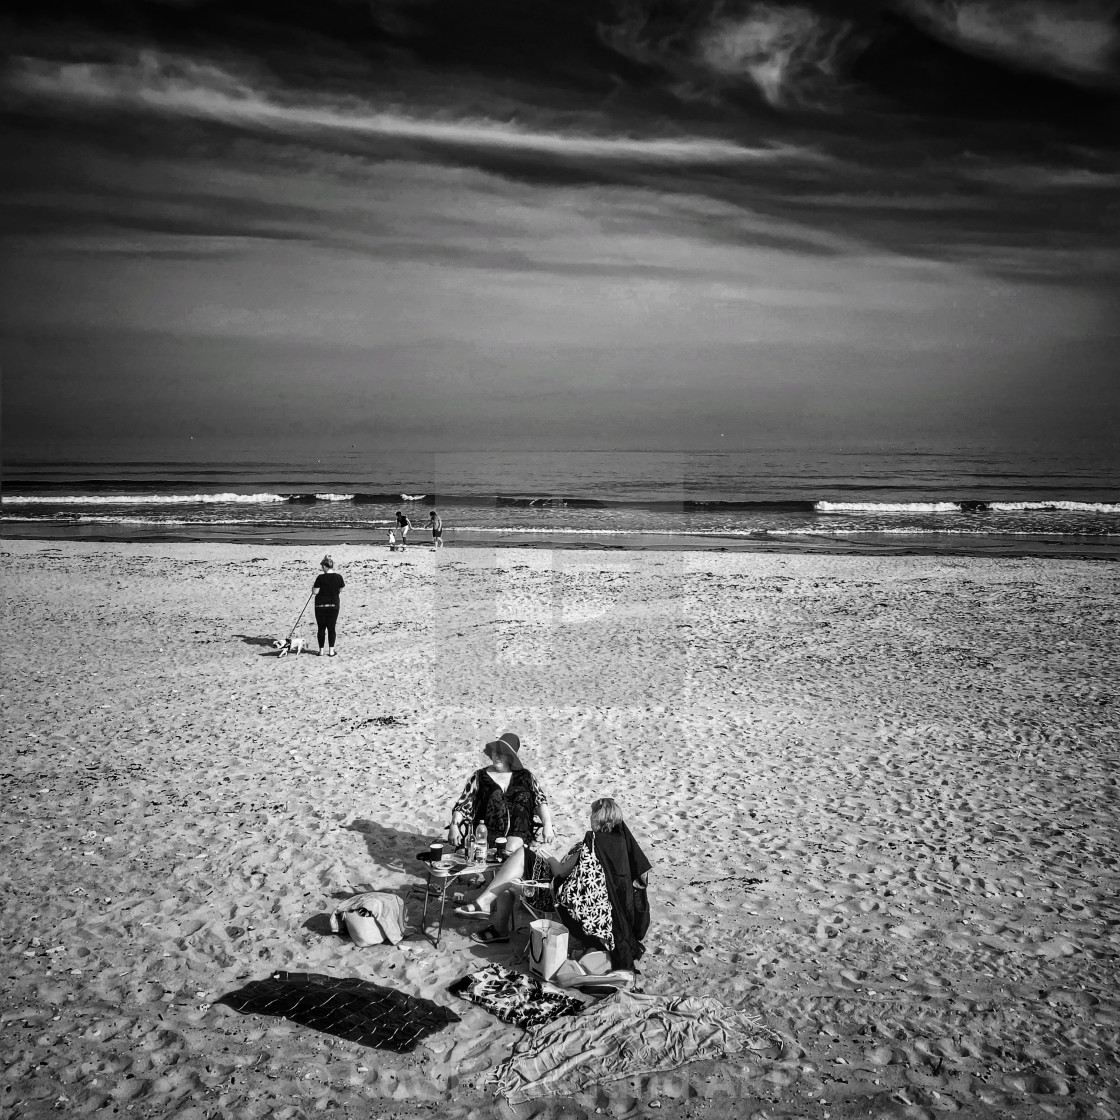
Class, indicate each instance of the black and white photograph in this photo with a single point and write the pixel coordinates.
(560, 559)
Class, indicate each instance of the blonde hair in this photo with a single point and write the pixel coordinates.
(326, 562)
(605, 814)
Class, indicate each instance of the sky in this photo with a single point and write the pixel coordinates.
(643, 224)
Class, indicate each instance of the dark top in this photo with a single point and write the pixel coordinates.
(508, 812)
(327, 586)
(402, 521)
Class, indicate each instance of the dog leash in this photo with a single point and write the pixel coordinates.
(293, 629)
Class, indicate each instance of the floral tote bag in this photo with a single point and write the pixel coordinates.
(584, 895)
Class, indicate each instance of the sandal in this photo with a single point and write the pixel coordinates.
(490, 936)
(472, 910)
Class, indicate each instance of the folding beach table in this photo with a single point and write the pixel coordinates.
(440, 877)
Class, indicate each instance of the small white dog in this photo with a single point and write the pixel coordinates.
(289, 645)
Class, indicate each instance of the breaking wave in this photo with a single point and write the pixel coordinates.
(921, 531)
(968, 507)
(547, 502)
(142, 499)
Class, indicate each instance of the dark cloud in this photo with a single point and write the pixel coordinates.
(790, 213)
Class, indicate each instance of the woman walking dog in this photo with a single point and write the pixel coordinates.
(327, 587)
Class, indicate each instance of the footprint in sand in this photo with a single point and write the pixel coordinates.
(884, 1056)
(830, 928)
(1036, 1084)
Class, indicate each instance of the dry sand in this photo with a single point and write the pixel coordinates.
(880, 795)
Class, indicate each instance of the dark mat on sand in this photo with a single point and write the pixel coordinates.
(344, 1006)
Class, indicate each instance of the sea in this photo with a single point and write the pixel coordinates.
(962, 501)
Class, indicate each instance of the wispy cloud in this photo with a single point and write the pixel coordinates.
(1021, 177)
(1070, 38)
(159, 82)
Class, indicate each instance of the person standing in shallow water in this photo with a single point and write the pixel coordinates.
(327, 586)
(435, 523)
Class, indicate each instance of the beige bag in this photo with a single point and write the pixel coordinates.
(372, 918)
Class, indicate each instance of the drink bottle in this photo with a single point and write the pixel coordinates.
(478, 851)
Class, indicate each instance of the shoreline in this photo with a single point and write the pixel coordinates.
(878, 792)
(1004, 546)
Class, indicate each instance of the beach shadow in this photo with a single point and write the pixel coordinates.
(266, 643)
(269, 644)
(343, 1006)
(251, 640)
(393, 849)
(321, 924)
(511, 954)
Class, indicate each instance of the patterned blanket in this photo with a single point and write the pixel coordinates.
(515, 997)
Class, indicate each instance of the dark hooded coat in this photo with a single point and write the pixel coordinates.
(623, 862)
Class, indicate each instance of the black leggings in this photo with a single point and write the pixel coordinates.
(326, 618)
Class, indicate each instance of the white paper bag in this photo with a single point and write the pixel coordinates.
(548, 947)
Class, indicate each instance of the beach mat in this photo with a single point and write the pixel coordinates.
(344, 1006)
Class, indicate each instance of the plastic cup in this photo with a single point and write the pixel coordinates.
(500, 849)
(437, 852)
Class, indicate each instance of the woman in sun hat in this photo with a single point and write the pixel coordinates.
(505, 797)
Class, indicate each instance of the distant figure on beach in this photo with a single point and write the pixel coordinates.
(604, 905)
(505, 797)
(327, 587)
(403, 526)
(435, 523)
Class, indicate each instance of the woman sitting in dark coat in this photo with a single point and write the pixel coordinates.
(599, 889)
(611, 907)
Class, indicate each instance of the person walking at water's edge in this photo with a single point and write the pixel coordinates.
(435, 523)
(327, 602)
(403, 526)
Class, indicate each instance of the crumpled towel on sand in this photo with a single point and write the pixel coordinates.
(625, 1034)
(344, 1006)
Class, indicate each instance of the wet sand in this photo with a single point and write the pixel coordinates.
(879, 792)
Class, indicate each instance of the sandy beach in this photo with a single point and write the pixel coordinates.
(879, 793)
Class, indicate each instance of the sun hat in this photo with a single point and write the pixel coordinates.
(507, 743)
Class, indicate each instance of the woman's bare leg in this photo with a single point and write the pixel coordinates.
(513, 868)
